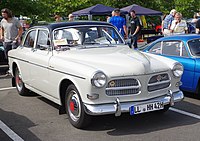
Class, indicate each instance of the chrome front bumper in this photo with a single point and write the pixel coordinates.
(117, 108)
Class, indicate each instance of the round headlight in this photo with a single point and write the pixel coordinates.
(177, 70)
(99, 79)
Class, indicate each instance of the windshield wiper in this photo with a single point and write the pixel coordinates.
(91, 43)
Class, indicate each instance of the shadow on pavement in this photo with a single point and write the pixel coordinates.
(192, 95)
(138, 124)
(3, 69)
(144, 123)
(19, 124)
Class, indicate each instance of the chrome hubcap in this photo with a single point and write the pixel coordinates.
(74, 107)
(19, 82)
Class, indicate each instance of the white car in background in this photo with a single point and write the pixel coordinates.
(88, 70)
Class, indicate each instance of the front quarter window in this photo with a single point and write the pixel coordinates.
(30, 39)
(43, 39)
(156, 48)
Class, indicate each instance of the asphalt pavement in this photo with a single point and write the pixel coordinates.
(3, 70)
(34, 118)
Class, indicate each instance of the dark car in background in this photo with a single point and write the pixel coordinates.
(2, 55)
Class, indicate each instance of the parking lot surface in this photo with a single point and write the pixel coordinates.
(34, 118)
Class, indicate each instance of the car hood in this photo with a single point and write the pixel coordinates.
(116, 60)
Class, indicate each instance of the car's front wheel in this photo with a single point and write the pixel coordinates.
(22, 90)
(74, 108)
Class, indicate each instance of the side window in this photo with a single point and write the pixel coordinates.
(30, 39)
(156, 48)
(171, 48)
(174, 48)
(43, 38)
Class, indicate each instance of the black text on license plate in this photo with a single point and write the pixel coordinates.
(138, 109)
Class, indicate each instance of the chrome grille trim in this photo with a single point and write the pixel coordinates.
(158, 82)
(122, 87)
(163, 77)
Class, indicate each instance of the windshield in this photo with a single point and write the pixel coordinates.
(87, 36)
(194, 46)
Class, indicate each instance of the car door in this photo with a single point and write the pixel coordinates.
(39, 60)
(24, 53)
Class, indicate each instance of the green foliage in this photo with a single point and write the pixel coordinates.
(44, 9)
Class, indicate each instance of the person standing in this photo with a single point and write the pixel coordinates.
(11, 31)
(71, 17)
(195, 18)
(108, 17)
(178, 26)
(57, 17)
(135, 29)
(119, 22)
(167, 22)
(162, 23)
(198, 26)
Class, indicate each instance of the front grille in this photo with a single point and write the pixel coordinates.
(123, 87)
(158, 82)
(159, 78)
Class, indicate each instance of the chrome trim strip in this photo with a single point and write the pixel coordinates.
(157, 83)
(103, 109)
(123, 88)
(48, 68)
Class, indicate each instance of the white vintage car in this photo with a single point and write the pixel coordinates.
(88, 70)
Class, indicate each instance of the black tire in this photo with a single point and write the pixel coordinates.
(74, 108)
(166, 108)
(22, 90)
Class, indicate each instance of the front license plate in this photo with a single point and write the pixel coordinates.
(138, 109)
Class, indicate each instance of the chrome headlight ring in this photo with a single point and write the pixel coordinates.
(99, 79)
(177, 70)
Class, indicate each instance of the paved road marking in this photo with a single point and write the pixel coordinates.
(185, 113)
(8, 88)
(9, 132)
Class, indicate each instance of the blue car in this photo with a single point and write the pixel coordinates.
(186, 50)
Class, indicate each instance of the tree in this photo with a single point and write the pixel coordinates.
(44, 9)
(23, 7)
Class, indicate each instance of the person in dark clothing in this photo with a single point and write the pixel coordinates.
(198, 26)
(135, 29)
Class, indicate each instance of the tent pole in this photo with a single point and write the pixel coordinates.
(89, 17)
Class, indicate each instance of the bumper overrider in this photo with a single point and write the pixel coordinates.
(117, 108)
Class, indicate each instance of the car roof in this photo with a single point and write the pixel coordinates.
(52, 26)
(185, 37)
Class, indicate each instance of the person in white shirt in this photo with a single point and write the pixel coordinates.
(178, 26)
(195, 18)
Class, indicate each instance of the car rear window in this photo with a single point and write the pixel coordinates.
(194, 46)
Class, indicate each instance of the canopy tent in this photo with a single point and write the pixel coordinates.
(98, 9)
(139, 10)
